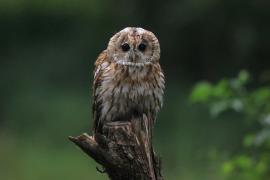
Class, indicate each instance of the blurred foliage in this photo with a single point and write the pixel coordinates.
(253, 161)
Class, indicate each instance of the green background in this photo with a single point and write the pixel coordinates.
(47, 52)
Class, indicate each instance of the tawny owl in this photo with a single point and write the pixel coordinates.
(128, 79)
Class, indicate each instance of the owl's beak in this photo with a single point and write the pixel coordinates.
(132, 55)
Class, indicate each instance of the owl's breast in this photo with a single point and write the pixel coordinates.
(128, 90)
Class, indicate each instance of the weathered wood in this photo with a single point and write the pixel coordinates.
(124, 149)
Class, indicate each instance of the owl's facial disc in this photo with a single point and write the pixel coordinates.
(134, 47)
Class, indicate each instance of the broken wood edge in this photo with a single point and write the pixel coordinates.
(89, 145)
(136, 139)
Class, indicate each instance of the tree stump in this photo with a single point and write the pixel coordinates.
(124, 149)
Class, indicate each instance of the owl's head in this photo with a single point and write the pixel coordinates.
(134, 46)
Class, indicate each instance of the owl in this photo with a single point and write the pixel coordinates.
(128, 79)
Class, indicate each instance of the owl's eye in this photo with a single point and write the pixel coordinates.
(142, 47)
(125, 47)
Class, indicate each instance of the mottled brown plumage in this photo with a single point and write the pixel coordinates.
(128, 80)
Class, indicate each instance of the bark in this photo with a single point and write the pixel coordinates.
(124, 149)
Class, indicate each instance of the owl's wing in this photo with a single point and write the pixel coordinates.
(97, 105)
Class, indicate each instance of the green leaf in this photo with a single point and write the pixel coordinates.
(243, 161)
(227, 167)
(243, 77)
(218, 107)
(261, 95)
(201, 92)
(222, 89)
